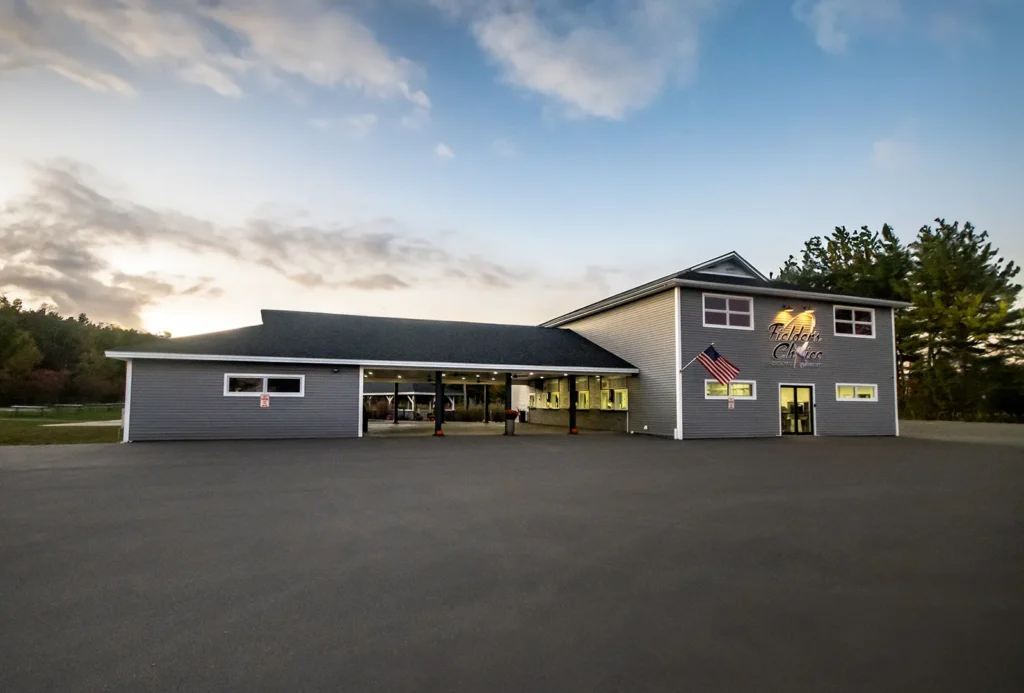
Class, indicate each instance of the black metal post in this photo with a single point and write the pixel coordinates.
(572, 406)
(438, 404)
(508, 397)
(487, 403)
(395, 401)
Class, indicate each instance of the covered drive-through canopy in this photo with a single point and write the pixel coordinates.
(396, 349)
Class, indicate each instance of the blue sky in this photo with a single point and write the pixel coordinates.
(180, 165)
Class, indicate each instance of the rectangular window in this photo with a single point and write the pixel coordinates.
(854, 322)
(250, 385)
(621, 400)
(553, 400)
(583, 399)
(737, 389)
(533, 401)
(736, 312)
(856, 392)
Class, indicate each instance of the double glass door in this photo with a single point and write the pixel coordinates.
(797, 409)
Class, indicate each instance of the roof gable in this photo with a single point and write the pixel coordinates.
(728, 265)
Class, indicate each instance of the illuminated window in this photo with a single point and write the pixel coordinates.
(583, 399)
(736, 312)
(854, 322)
(856, 392)
(553, 400)
(621, 400)
(533, 400)
(737, 389)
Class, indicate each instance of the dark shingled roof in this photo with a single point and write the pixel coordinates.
(294, 334)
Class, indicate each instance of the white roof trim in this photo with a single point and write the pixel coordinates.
(791, 293)
(424, 365)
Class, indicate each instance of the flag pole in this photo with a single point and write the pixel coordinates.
(691, 361)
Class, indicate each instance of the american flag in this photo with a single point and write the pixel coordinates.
(717, 365)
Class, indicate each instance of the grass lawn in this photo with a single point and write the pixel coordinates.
(30, 428)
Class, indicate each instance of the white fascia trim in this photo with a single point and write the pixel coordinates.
(678, 433)
(127, 402)
(656, 287)
(789, 293)
(418, 365)
(895, 380)
(362, 402)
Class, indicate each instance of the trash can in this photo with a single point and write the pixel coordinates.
(510, 422)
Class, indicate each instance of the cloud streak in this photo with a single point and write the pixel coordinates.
(602, 60)
(221, 45)
(59, 238)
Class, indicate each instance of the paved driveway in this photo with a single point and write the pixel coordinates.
(598, 563)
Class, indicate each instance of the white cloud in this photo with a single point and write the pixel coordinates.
(218, 45)
(602, 59)
(504, 148)
(444, 151)
(834, 22)
(358, 126)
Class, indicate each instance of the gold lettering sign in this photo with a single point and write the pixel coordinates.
(797, 338)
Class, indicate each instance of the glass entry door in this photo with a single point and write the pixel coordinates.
(797, 405)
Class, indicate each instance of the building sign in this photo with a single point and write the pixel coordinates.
(796, 339)
(732, 402)
(264, 401)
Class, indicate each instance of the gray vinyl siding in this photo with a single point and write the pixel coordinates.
(844, 360)
(643, 333)
(184, 400)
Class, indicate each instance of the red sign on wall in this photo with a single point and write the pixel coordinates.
(264, 401)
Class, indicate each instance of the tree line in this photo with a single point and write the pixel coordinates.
(46, 358)
(960, 346)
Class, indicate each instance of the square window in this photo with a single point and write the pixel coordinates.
(245, 384)
(844, 391)
(715, 389)
(866, 392)
(854, 322)
(728, 311)
(741, 389)
(292, 385)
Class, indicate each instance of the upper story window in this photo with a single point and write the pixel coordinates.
(854, 322)
(248, 385)
(736, 312)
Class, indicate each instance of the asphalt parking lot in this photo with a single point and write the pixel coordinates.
(547, 563)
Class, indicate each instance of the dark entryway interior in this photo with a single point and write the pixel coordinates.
(796, 403)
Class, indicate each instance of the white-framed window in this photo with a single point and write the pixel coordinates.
(533, 400)
(614, 394)
(853, 322)
(255, 384)
(737, 389)
(730, 312)
(856, 392)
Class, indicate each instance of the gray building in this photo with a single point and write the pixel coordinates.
(809, 363)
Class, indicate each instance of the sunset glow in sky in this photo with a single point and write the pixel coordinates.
(180, 164)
